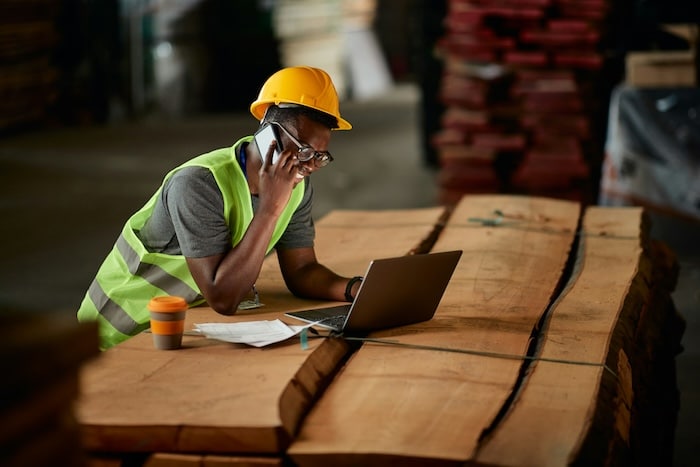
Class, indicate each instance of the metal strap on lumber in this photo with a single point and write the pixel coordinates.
(402, 403)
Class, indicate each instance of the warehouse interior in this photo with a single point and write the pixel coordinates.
(102, 98)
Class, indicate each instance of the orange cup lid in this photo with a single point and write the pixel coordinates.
(167, 303)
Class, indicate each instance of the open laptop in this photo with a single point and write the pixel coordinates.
(395, 292)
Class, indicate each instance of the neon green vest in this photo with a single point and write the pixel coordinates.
(130, 275)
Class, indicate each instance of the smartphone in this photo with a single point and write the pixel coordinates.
(263, 139)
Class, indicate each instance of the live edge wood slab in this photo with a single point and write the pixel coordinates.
(554, 344)
(214, 397)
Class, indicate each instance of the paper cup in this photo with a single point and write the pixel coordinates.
(167, 321)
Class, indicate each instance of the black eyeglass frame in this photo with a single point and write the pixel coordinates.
(305, 152)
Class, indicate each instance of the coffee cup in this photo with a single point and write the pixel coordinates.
(167, 321)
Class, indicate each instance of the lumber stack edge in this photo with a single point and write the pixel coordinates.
(41, 355)
(633, 419)
(635, 409)
(633, 414)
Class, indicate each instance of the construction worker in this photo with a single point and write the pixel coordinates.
(205, 232)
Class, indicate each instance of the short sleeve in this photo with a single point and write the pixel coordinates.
(195, 205)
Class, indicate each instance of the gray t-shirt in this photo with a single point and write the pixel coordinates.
(188, 218)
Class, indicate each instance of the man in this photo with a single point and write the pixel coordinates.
(205, 232)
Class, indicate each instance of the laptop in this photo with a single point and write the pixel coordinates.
(394, 292)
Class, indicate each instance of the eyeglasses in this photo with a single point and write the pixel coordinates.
(305, 152)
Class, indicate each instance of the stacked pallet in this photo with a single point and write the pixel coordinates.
(28, 79)
(40, 359)
(311, 33)
(552, 346)
(336, 36)
(518, 87)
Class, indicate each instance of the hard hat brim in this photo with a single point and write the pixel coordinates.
(258, 109)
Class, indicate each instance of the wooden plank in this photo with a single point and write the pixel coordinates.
(41, 355)
(375, 234)
(581, 412)
(412, 405)
(31, 415)
(206, 397)
(58, 437)
(195, 460)
(38, 350)
(213, 397)
(347, 240)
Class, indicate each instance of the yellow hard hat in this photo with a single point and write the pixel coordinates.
(301, 85)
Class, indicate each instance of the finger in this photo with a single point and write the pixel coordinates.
(293, 165)
(270, 153)
(286, 159)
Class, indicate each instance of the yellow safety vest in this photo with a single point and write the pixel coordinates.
(131, 275)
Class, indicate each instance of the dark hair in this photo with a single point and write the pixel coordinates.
(289, 113)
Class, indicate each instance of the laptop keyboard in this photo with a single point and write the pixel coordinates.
(333, 320)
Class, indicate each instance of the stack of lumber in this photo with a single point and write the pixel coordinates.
(311, 33)
(554, 344)
(544, 351)
(28, 77)
(230, 401)
(41, 355)
(603, 391)
(521, 85)
(336, 36)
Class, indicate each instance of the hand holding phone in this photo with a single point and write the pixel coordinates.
(264, 138)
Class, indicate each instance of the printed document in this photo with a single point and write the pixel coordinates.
(255, 333)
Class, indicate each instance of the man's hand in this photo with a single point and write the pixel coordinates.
(276, 181)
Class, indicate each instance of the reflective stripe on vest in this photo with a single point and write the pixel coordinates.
(155, 275)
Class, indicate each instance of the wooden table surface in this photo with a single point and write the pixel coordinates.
(215, 397)
(532, 357)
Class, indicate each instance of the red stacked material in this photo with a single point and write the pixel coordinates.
(553, 165)
(475, 128)
(517, 90)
